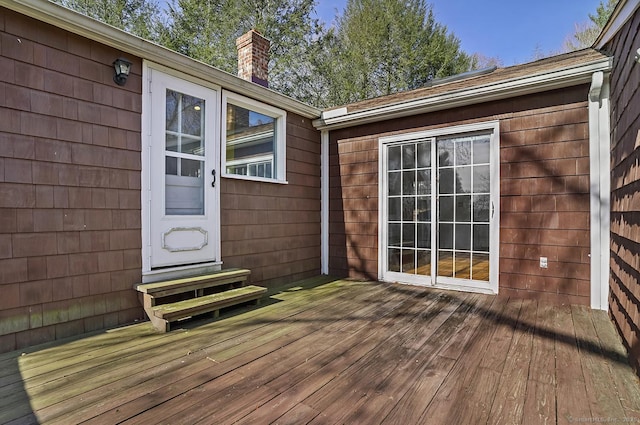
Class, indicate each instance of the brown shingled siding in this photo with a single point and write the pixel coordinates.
(274, 229)
(624, 294)
(69, 185)
(544, 192)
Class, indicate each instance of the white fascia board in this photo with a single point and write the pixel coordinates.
(495, 91)
(61, 17)
(621, 15)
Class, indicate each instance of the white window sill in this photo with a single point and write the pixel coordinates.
(253, 179)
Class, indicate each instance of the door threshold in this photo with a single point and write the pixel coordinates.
(180, 271)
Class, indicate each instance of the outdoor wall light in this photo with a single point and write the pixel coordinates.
(122, 68)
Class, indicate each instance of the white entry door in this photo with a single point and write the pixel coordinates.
(439, 222)
(184, 150)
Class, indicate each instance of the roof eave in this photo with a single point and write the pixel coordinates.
(621, 14)
(566, 77)
(79, 24)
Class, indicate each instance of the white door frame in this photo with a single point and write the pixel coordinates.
(490, 127)
(151, 70)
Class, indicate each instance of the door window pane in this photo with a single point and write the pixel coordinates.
(395, 183)
(424, 154)
(408, 209)
(463, 208)
(446, 208)
(394, 209)
(424, 235)
(409, 156)
(463, 237)
(424, 263)
(394, 158)
(481, 208)
(184, 149)
(409, 182)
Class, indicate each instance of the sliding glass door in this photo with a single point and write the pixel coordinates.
(438, 211)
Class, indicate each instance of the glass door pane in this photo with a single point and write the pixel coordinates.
(409, 208)
(463, 207)
(184, 154)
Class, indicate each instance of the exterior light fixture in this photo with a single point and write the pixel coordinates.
(121, 67)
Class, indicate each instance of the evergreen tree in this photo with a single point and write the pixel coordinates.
(587, 33)
(139, 17)
(387, 46)
(207, 29)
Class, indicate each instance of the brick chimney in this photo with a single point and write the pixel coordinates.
(253, 58)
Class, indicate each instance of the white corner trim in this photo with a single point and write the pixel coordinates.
(581, 74)
(145, 192)
(324, 201)
(599, 188)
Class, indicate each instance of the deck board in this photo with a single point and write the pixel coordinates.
(336, 352)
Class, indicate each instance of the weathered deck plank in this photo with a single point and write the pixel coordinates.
(338, 352)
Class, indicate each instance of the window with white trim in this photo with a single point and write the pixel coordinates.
(254, 138)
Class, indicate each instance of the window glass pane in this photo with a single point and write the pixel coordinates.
(424, 235)
(481, 237)
(171, 166)
(481, 150)
(408, 182)
(481, 179)
(172, 143)
(408, 261)
(445, 153)
(446, 208)
(408, 208)
(408, 156)
(424, 182)
(463, 237)
(480, 267)
(463, 179)
(393, 255)
(424, 208)
(394, 234)
(481, 208)
(409, 235)
(395, 183)
(463, 265)
(463, 208)
(445, 263)
(251, 140)
(173, 106)
(184, 123)
(394, 209)
(445, 235)
(463, 152)
(191, 168)
(424, 263)
(446, 180)
(424, 154)
(192, 111)
(395, 158)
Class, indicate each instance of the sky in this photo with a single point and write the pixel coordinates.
(510, 30)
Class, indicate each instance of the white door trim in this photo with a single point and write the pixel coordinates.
(494, 244)
(148, 70)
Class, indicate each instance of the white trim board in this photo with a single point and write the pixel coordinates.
(341, 118)
(600, 190)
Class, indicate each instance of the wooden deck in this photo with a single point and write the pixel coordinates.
(337, 353)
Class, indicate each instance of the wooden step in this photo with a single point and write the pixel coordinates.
(194, 283)
(168, 313)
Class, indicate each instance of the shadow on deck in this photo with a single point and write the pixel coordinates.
(336, 351)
